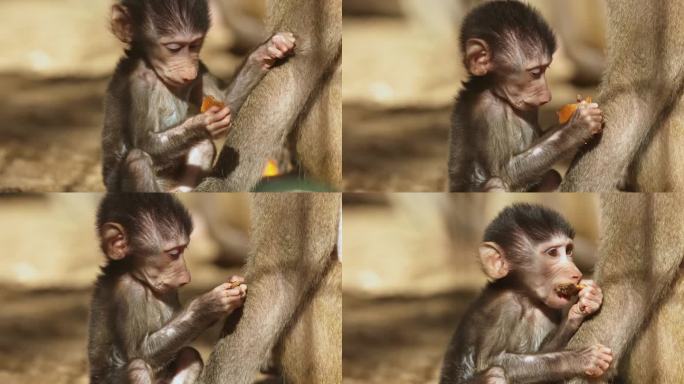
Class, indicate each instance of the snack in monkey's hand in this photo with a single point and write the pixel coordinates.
(566, 112)
(568, 290)
(233, 284)
(210, 101)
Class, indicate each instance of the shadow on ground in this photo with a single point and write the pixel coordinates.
(399, 339)
(395, 149)
(50, 133)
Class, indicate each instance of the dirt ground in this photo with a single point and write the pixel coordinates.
(399, 339)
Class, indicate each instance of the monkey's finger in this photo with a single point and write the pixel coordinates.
(233, 291)
(274, 52)
(283, 43)
(236, 279)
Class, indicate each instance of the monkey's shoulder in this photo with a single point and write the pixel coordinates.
(502, 303)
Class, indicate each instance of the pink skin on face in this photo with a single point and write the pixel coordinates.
(175, 59)
(556, 267)
(166, 271)
(526, 90)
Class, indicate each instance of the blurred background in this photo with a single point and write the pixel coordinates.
(57, 58)
(402, 71)
(51, 258)
(411, 270)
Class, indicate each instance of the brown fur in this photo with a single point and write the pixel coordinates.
(640, 271)
(294, 294)
(298, 101)
(641, 95)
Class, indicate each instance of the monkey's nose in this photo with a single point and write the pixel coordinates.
(185, 279)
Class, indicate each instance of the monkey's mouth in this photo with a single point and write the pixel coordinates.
(568, 290)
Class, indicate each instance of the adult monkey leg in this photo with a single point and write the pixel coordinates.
(640, 261)
(641, 89)
(311, 350)
(292, 259)
(293, 96)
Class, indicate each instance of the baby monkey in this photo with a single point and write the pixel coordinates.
(138, 331)
(156, 138)
(536, 300)
(496, 141)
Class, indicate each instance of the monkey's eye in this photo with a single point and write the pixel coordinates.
(569, 249)
(536, 73)
(175, 253)
(173, 47)
(553, 252)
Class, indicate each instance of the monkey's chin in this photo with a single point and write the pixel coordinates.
(557, 302)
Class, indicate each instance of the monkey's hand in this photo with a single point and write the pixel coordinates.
(595, 360)
(278, 47)
(216, 121)
(494, 375)
(221, 300)
(589, 302)
(587, 121)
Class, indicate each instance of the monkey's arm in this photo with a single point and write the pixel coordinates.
(534, 368)
(523, 168)
(557, 340)
(248, 77)
(635, 268)
(161, 145)
(156, 347)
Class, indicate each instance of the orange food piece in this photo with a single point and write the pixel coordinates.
(210, 101)
(566, 112)
(234, 284)
(271, 169)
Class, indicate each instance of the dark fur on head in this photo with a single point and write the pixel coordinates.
(506, 26)
(164, 17)
(519, 222)
(147, 218)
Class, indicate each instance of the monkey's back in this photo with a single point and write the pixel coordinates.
(105, 359)
(115, 140)
(467, 169)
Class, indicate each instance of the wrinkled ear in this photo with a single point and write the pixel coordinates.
(114, 241)
(478, 57)
(493, 260)
(121, 23)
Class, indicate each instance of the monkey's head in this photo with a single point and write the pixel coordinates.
(146, 233)
(509, 43)
(531, 247)
(167, 33)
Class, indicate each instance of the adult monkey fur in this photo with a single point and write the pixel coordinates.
(639, 268)
(641, 94)
(496, 141)
(302, 99)
(295, 300)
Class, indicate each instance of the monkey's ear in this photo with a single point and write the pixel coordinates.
(114, 241)
(121, 23)
(478, 57)
(493, 260)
